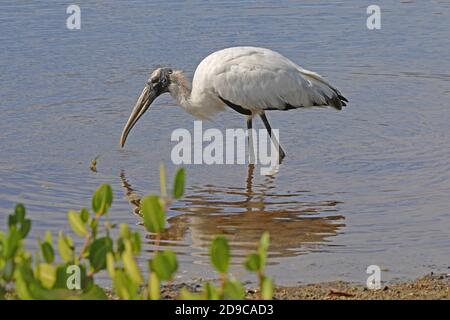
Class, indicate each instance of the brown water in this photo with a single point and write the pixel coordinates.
(368, 185)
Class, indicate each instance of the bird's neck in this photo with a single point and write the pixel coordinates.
(180, 89)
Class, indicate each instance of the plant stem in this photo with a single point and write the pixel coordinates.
(223, 280)
(162, 180)
(85, 245)
(260, 279)
(87, 240)
(157, 241)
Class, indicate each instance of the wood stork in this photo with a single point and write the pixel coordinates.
(249, 80)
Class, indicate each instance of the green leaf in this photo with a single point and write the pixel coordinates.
(211, 292)
(8, 270)
(77, 224)
(124, 231)
(65, 248)
(153, 214)
(110, 264)
(154, 287)
(264, 241)
(266, 288)
(12, 220)
(23, 277)
(253, 262)
(164, 264)
(262, 250)
(25, 228)
(84, 215)
(136, 242)
(102, 199)
(97, 252)
(220, 254)
(46, 274)
(178, 183)
(123, 285)
(233, 290)
(47, 252)
(131, 268)
(120, 246)
(20, 213)
(11, 243)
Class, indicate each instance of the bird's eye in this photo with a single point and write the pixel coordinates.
(170, 71)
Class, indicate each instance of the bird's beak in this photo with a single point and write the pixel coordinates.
(143, 103)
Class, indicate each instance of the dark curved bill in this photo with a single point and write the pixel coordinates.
(143, 103)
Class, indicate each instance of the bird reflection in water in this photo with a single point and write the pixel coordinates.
(242, 214)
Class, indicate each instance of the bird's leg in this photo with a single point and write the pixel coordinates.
(251, 148)
(274, 139)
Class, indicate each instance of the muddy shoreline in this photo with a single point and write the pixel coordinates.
(431, 286)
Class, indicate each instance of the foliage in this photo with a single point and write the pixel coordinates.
(256, 262)
(59, 271)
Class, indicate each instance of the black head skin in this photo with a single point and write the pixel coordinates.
(159, 80)
(157, 84)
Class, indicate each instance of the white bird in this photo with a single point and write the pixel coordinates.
(249, 80)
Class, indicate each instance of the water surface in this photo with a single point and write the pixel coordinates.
(368, 185)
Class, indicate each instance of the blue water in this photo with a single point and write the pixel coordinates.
(367, 185)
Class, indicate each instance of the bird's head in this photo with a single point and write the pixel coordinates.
(157, 84)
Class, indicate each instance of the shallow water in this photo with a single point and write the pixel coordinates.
(368, 185)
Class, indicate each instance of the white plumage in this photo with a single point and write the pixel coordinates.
(256, 79)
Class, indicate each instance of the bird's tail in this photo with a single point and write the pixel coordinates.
(337, 101)
(329, 95)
